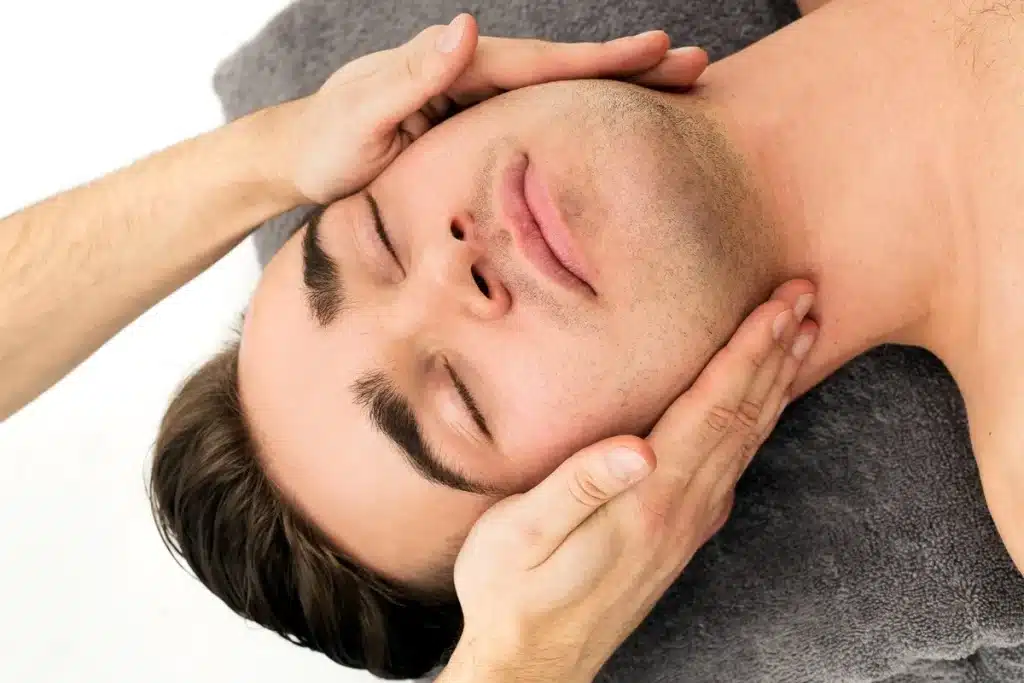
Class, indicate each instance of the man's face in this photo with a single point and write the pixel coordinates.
(379, 384)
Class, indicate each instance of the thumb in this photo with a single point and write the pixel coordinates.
(551, 511)
(424, 67)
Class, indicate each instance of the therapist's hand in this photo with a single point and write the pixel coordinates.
(551, 582)
(371, 109)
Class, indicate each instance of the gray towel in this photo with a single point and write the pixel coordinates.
(860, 548)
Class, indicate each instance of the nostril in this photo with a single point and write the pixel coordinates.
(481, 282)
(457, 232)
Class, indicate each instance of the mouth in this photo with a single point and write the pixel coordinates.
(538, 229)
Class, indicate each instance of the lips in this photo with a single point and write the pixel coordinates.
(538, 229)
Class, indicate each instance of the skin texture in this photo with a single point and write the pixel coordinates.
(900, 197)
(908, 241)
(522, 351)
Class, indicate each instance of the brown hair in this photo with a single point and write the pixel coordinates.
(216, 509)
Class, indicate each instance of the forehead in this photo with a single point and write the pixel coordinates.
(316, 444)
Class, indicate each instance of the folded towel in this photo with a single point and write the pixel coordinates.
(860, 548)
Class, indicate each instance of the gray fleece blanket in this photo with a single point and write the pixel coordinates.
(860, 548)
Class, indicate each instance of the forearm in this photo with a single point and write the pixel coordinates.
(78, 267)
(472, 662)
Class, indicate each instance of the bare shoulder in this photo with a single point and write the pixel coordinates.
(997, 433)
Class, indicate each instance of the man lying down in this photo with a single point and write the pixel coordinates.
(556, 265)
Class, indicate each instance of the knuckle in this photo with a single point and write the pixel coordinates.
(748, 413)
(584, 488)
(718, 419)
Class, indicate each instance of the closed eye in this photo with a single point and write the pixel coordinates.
(382, 234)
(471, 406)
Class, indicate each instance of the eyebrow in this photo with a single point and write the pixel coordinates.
(320, 273)
(391, 413)
(389, 410)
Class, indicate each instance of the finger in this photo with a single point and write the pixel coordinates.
(415, 125)
(748, 442)
(423, 68)
(680, 68)
(703, 415)
(785, 328)
(799, 294)
(467, 95)
(689, 432)
(544, 516)
(714, 409)
(783, 331)
(780, 393)
(778, 373)
(773, 377)
(808, 374)
(724, 468)
(510, 63)
(437, 108)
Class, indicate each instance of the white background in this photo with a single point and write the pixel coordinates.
(87, 591)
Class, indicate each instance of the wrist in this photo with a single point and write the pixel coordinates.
(470, 663)
(272, 132)
(480, 660)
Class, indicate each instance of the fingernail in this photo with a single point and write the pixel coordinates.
(627, 465)
(781, 323)
(802, 345)
(803, 306)
(451, 36)
(683, 50)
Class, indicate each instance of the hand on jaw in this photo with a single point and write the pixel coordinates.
(552, 581)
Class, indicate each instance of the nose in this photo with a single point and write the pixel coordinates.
(466, 275)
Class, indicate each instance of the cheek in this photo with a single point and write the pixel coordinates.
(553, 404)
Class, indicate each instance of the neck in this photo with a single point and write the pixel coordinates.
(837, 116)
